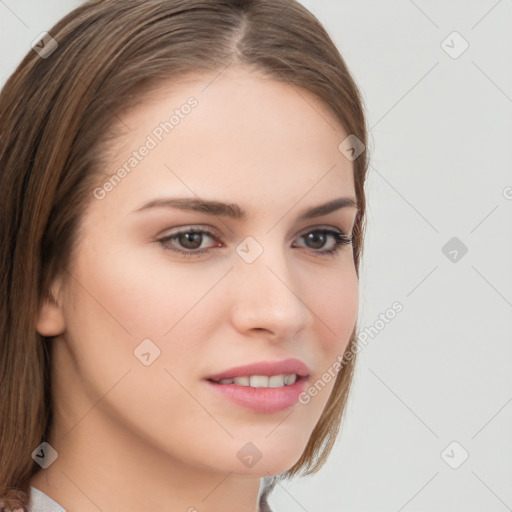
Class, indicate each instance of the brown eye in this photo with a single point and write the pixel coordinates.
(190, 240)
(187, 241)
(316, 239)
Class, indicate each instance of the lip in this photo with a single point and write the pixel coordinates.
(262, 400)
(267, 368)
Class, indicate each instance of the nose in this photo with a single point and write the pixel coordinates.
(267, 296)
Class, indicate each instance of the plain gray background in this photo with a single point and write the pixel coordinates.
(433, 386)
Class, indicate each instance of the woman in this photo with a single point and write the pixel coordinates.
(182, 224)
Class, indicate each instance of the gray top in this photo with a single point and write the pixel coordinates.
(40, 502)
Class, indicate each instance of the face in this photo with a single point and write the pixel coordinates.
(164, 297)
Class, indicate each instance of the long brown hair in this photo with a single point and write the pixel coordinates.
(56, 111)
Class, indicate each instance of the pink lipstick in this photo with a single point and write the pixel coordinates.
(265, 386)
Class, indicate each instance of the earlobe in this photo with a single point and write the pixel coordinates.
(50, 321)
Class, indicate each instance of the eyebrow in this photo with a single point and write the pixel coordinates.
(234, 211)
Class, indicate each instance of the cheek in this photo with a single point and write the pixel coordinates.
(335, 306)
(115, 303)
(118, 301)
(140, 295)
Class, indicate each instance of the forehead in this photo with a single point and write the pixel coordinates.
(238, 133)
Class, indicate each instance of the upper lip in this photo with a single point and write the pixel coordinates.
(268, 368)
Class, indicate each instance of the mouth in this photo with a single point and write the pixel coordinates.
(278, 373)
(261, 381)
(264, 387)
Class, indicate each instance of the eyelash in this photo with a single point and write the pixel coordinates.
(340, 238)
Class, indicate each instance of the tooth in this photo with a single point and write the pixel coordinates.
(258, 381)
(276, 381)
(241, 381)
(262, 381)
(290, 379)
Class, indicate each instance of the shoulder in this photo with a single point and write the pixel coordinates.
(40, 502)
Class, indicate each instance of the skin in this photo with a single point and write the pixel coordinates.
(131, 437)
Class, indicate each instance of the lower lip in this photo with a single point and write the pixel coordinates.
(267, 400)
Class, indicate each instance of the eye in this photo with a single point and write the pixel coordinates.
(317, 238)
(190, 241)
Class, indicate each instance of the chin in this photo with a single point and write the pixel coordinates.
(266, 457)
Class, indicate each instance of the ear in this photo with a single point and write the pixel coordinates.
(50, 320)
